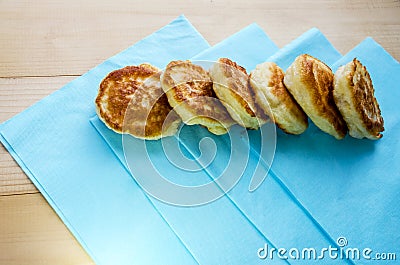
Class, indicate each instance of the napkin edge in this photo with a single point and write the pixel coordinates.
(232, 37)
(367, 41)
(309, 34)
(47, 197)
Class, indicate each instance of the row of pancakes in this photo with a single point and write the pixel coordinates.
(149, 104)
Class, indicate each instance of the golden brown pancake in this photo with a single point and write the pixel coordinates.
(271, 95)
(130, 100)
(231, 85)
(189, 91)
(310, 82)
(354, 96)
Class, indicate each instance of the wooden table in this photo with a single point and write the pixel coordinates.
(44, 45)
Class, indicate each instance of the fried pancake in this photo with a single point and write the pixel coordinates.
(354, 96)
(310, 82)
(130, 100)
(271, 95)
(189, 91)
(231, 85)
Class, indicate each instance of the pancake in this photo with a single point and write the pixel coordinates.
(189, 91)
(354, 96)
(310, 82)
(231, 85)
(274, 99)
(130, 100)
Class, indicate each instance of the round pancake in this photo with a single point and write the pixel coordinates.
(310, 82)
(189, 91)
(231, 85)
(130, 100)
(354, 96)
(271, 95)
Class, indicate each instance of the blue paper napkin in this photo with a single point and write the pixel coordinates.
(77, 173)
(215, 233)
(249, 47)
(352, 187)
(271, 209)
(349, 188)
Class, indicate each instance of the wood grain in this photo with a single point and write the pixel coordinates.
(44, 38)
(45, 44)
(17, 94)
(31, 233)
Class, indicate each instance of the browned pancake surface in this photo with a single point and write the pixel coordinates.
(231, 85)
(130, 100)
(354, 96)
(189, 90)
(274, 99)
(310, 81)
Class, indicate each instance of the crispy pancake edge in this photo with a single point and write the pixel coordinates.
(308, 74)
(355, 96)
(274, 99)
(198, 106)
(228, 86)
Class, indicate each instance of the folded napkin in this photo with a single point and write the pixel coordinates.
(349, 188)
(75, 170)
(249, 47)
(352, 187)
(271, 210)
(215, 233)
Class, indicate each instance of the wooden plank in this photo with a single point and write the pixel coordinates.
(43, 38)
(31, 233)
(17, 94)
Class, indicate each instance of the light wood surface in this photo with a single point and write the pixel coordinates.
(45, 44)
